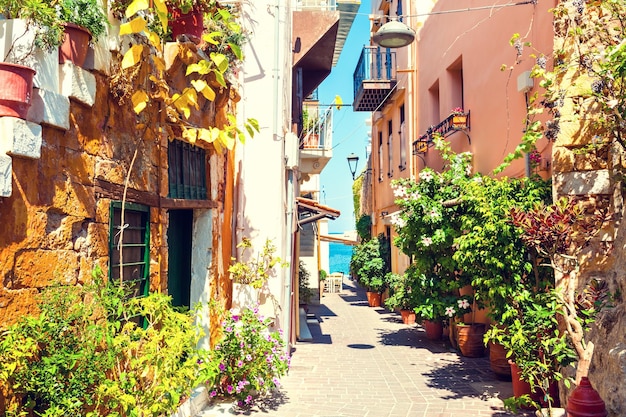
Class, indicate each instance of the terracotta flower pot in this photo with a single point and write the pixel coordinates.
(498, 361)
(433, 329)
(470, 339)
(75, 44)
(16, 89)
(373, 299)
(408, 316)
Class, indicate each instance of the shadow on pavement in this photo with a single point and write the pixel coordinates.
(413, 337)
(271, 402)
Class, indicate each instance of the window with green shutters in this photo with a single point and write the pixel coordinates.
(129, 251)
(187, 171)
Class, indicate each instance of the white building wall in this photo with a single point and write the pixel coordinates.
(265, 190)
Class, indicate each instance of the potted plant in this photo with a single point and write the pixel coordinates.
(310, 129)
(322, 277)
(304, 292)
(37, 19)
(401, 296)
(459, 118)
(249, 275)
(370, 264)
(187, 17)
(83, 20)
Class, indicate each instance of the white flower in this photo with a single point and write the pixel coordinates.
(426, 241)
(450, 311)
(415, 195)
(463, 303)
(399, 192)
(434, 214)
(426, 175)
(398, 221)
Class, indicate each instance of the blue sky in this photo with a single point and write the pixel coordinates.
(350, 134)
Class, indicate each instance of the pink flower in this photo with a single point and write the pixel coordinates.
(450, 311)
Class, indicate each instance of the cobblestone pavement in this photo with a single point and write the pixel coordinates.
(365, 362)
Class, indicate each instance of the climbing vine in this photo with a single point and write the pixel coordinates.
(144, 79)
(590, 53)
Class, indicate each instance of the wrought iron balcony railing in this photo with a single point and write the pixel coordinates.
(326, 5)
(318, 132)
(374, 78)
(454, 123)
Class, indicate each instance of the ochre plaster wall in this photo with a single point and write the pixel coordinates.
(56, 222)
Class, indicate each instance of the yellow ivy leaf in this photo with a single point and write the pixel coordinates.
(132, 56)
(140, 101)
(136, 6)
(191, 97)
(210, 37)
(154, 40)
(161, 10)
(136, 25)
(190, 135)
(220, 61)
(202, 67)
(202, 87)
(219, 77)
(226, 140)
(205, 135)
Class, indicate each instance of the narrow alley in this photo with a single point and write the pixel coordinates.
(365, 362)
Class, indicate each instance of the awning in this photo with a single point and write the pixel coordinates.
(311, 210)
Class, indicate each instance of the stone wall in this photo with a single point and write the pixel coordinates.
(588, 163)
(56, 218)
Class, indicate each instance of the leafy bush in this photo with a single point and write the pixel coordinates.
(87, 354)
(304, 291)
(370, 263)
(250, 358)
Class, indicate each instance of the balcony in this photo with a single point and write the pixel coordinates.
(374, 78)
(456, 122)
(316, 141)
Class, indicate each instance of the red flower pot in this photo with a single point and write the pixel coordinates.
(584, 401)
(16, 89)
(191, 24)
(75, 44)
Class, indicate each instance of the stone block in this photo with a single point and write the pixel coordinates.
(583, 183)
(6, 168)
(39, 268)
(50, 108)
(19, 137)
(77, 84)
(19, 40)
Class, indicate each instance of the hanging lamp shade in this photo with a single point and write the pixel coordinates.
(394, 34)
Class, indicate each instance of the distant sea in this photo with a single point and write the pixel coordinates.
(339, 257)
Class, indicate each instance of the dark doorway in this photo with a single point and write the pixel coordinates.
(179, 235)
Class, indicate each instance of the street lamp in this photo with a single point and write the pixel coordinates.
(353, 161)
(394, 34)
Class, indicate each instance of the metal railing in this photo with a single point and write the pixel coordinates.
(309, 5)
(320, 134)
(375, 64)
(443, 128)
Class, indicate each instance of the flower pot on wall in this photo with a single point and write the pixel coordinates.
(459, 121)
(373, 299)
(190, 24)
(470, 339)
(433, 329)
(75, 44)
(16, 89)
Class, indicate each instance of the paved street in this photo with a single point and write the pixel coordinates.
(364, 362)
